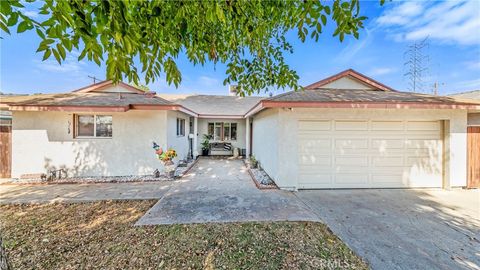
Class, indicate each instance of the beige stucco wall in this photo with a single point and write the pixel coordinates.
(346, 83)
(287, 120)
(265, 143)
(179, 143)
(203, 129)
(474, 119)
(41, 141)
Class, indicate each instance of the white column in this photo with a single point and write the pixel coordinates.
(247, 139)
(195, 137)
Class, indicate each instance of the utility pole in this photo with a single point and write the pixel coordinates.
(435, 88)
(94, 79)
(416, 65)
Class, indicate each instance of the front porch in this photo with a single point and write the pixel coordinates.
(222, 136)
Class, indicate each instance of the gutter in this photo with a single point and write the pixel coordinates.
(264, 104)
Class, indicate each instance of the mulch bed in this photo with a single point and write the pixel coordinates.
(179, 173)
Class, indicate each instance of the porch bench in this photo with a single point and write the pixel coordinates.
(221, 149)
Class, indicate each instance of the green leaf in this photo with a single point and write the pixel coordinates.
(13, 19)
(40, 33)
(23, 26)
(57, 56)
(46, 55)
(61, 51)
(247, 36)
(4, 28)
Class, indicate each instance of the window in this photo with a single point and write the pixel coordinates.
(180, 127)
(223, 131)
(99, 126)
(218, 131)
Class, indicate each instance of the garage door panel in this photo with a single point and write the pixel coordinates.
(426, 162)
(312, 160)
(387, 125)
(351, 143)
(423, 125)
(422, 144)
(369, 154)
(388, 161)
(386, 144)
(389, 179)
(359, 161)
(351, 125)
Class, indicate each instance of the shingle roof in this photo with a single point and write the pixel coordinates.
(84, 99)
(354, 95)
(475, 94)
(214, 105)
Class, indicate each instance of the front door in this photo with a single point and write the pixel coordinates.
(473, 157)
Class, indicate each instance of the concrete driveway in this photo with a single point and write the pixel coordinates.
(404, 229)
(82, 192)
(221, 190)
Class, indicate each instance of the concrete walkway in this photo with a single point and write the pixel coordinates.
(221, 190)
(82, 192)
(404, 229)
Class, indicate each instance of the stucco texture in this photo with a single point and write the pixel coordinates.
(43, 141)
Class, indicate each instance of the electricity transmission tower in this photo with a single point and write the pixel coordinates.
(416, 65)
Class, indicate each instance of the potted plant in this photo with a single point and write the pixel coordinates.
(167, 158)
(205, 144)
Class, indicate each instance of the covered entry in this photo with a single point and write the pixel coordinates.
(368, 153)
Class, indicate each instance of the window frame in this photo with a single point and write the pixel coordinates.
(222, 126)
(76, 122)
(180, 127)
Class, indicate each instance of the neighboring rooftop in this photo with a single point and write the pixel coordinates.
(214, 105)
(475, 94)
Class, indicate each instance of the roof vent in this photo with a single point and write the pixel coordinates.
(232, 90)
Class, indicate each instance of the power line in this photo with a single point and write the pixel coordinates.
(417, 65)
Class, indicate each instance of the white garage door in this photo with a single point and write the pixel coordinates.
(369, 154)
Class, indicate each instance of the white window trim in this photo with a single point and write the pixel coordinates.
(183, 123)
(76, 136)
(222, 129)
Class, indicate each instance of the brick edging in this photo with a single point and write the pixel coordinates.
(189, 168)
(255, 181)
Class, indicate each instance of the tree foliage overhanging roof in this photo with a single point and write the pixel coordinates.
(143, 39)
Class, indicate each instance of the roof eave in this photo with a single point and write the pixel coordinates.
(368, 105)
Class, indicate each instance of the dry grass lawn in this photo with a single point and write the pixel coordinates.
(101, 235)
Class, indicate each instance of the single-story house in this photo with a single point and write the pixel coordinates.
(350, 131)
(345, 131)
(100, 130)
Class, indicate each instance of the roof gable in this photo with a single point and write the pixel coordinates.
(109, 87)
(211, 106)
(349, 79)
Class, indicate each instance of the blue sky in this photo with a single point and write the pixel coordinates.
(453, 29)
